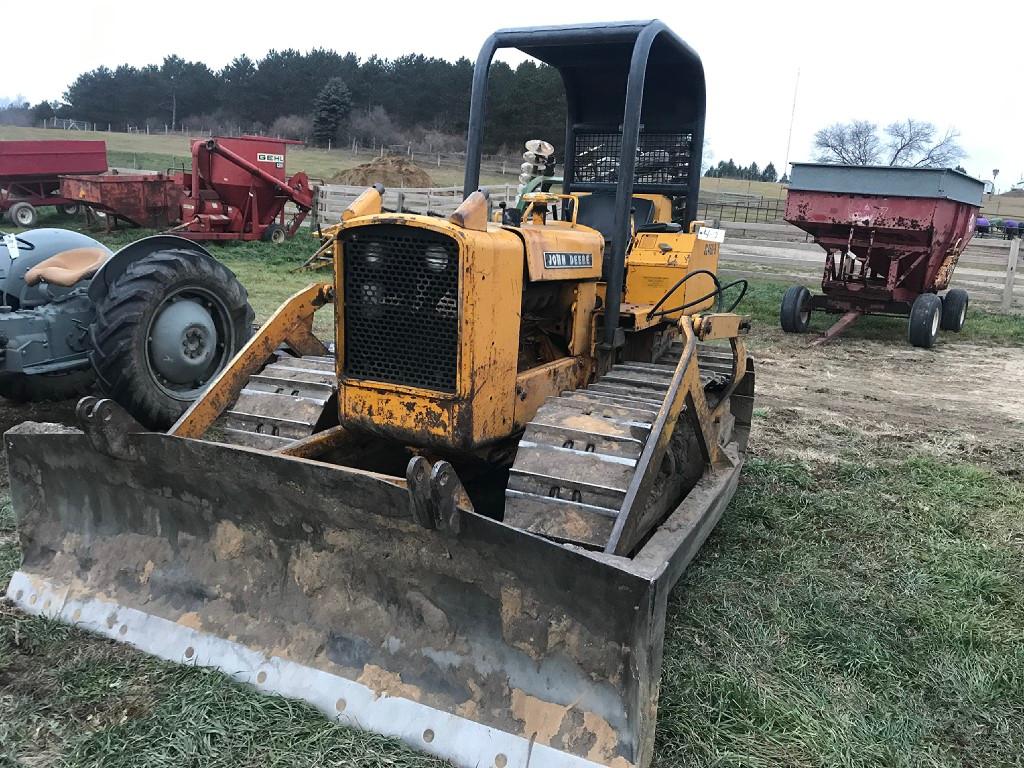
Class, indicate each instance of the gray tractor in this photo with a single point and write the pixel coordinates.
(151, 325)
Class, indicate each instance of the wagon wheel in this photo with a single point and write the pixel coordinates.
(23, 215)
(925, 319)
(275, 234)
(954, 310)
(795, 311)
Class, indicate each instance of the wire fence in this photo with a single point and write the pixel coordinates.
(748, 211)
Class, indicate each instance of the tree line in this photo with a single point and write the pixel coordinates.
(407, 98)
(727, 169)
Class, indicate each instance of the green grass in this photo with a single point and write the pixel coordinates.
(846, 614)
(148, 161)
(983, 325)
(856, 612)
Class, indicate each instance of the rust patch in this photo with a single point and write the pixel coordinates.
(385, 683)
(147, 571)
(541, 719)
(228, 541)
(191, 620)
(310, 569)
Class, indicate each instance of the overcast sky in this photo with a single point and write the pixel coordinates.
(954, 65)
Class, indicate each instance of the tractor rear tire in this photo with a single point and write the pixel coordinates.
(275, 234)
(165, 329)
(23, 215)
(46, 387)
(954, 310)
(925, 320)
(795, 312)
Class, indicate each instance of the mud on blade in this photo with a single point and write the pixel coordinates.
(310, 580)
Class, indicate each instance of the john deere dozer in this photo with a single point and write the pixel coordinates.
(462, 528)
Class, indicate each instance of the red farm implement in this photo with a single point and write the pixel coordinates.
(30, 175)
(892, 238)
(145, 200)
(236, 190)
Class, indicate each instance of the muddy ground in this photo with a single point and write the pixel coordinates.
(960, 399)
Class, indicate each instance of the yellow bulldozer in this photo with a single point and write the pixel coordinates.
(461, 527)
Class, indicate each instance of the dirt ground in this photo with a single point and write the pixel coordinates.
(965, 398)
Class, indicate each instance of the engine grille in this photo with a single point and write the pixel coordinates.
(663, 159)
(401, 306)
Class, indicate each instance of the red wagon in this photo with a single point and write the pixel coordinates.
(145, 200)
(30, 171)
(892, 238)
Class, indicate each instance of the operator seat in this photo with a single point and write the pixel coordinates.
(597, 211)
(68, 267)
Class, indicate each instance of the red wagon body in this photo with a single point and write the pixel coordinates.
(145, 200)
(889, 234)
(30, 172)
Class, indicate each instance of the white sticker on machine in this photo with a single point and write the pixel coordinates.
(711, 234)
(267, 157)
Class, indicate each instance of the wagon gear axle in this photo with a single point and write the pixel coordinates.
(460, 524)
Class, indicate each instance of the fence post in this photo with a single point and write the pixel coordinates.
(1011, 274)
(400, 207)
(438, 159)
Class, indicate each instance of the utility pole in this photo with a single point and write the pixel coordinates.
(792, 119)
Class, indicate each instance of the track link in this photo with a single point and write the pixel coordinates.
(578, 455)
(282, 403)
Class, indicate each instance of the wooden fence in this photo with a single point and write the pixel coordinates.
(987, 268)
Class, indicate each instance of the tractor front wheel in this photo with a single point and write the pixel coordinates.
(166, 328)
(795, 312)
(925, 319)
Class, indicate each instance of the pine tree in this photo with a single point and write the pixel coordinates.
(769, 173)
(330, 109)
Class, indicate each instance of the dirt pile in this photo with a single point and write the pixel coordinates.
(391, 171)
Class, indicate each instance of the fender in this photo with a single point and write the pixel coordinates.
(117, 264)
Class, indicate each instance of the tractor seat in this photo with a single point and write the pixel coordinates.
(597, 211)
(68, 267)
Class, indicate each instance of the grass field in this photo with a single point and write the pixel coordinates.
(860, 604)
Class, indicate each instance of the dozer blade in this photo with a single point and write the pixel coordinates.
(472, 640)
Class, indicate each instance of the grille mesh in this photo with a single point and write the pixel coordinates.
(401, 306)
(663, 159)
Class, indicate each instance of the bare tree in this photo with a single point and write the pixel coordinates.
(912, 143)
(853, 143)
(909, 143)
